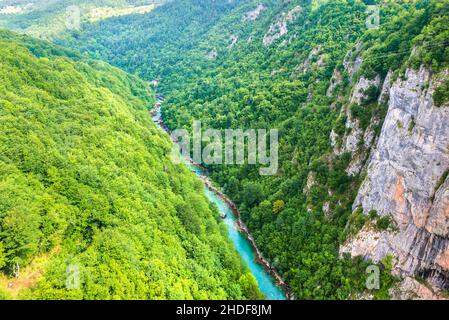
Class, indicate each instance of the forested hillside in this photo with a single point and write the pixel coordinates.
(313, 70)
(154, 45)
(48, 18)
(87, 189)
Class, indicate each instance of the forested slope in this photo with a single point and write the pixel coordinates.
(313, 70)
(87, 190)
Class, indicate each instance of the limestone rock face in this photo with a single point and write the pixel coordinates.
(362, 85)
(351, 64)
(369, 243)
(407, 179)
(409, 288)
(233, 40)
(311, 182)
(357, 141)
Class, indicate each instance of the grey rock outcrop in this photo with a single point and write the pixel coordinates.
(357, 141)
(233, 40)
(315, 54)
(410, 289)
(280, 27)
(351, 141)
(254, 14)
(311, 182)
(353, 61)
(385, 92)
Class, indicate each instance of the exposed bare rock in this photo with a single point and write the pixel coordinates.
(404, 175)
(359, 160)
(356, 165)
(254, 14)
(352, 140)
(280, 27)
(355, 136)
(362, 85)
(276, 31)
(294, 13)
(369, 136)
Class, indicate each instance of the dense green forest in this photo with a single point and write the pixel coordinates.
(154, 45)
(229, 72)
(87, 187)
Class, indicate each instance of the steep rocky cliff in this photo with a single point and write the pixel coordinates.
(407, 180)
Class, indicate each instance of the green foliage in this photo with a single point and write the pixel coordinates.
(370, 95)
(389, 47)
(278, 206)
(86, 178)
(47, 19)
(433, 42)
(442, 180)
(2, 256)
(153, 53)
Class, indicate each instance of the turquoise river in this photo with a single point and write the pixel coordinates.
(266, 282)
